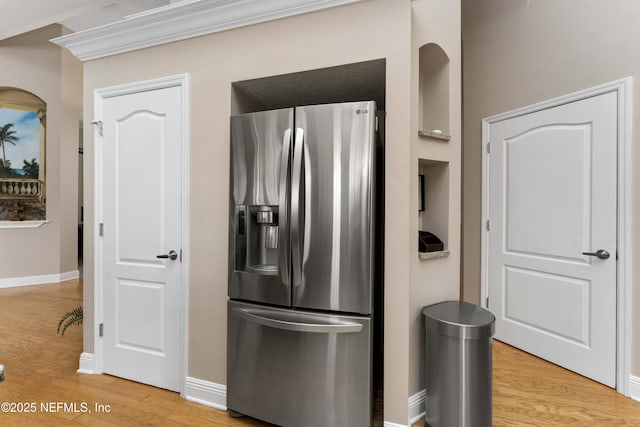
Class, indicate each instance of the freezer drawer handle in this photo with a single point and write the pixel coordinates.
(339, 328)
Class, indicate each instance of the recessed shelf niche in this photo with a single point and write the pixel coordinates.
(435, 216)
(434, 93)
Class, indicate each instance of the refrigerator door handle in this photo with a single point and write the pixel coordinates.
(263, 317)
(284, 254)
(296, 203)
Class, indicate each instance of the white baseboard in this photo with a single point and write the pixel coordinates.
(417, 406)
(13, 282)
(215, 395)
(195, 390)
(87, 364)
(206, 393)
(634, 388)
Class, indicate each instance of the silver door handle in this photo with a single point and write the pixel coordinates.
(339, 327)
(284, 256)
(172, 255)
(600, 253)
(297, 207)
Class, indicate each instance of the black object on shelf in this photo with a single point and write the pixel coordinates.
(429, 242)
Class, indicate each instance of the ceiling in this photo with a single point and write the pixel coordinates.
(21, 16)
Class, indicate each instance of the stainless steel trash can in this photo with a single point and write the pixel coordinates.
(459, 364)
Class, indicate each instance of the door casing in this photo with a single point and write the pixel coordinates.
(182, 81)
(623, 90)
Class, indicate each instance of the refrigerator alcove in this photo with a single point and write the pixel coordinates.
(301, 294)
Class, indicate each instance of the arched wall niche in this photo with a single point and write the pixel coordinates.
(434, 91)
(434, 174)
(23, 117)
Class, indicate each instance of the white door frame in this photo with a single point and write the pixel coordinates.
(622, 88)
(182, 81)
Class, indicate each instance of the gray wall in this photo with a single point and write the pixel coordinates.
(32, 63)
(518, 52)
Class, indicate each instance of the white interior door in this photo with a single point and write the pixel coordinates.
(142, 217)
(551, 199)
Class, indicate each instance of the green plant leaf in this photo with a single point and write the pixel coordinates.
(73, 317)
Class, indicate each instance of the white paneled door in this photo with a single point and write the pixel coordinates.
(142, 234)
(552, 207)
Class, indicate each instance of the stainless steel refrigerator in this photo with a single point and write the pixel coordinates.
(301, 265)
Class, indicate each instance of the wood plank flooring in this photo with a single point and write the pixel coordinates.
(41, 370)
(528, 391)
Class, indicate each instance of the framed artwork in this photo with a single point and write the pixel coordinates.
(22, 156)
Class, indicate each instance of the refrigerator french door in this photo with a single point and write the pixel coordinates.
(301, 264)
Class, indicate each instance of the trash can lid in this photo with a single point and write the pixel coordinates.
(459, 319)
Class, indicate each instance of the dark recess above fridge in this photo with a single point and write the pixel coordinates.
(359, 81)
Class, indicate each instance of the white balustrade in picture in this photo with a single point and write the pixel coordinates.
(20, 188)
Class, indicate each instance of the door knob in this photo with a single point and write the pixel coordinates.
(600, 253)
(172, 255)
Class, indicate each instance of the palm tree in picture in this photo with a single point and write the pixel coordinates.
(31, 169)
(7, 136)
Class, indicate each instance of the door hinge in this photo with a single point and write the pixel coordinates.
(101, 329)
(488, 148)
(101, 229)
(488, 225)
(99, 124)
(486, 302)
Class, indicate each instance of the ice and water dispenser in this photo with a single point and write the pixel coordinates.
(257, 239)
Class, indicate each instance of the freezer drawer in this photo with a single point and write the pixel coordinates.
(299, 369)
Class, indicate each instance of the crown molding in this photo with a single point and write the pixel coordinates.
(183, 20)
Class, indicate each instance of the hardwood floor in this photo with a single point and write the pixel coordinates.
(41, 374)
(41, 369)
(528, 391)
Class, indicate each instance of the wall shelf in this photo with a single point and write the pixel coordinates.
(427, 133)
(433, 255)
(23, 224)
